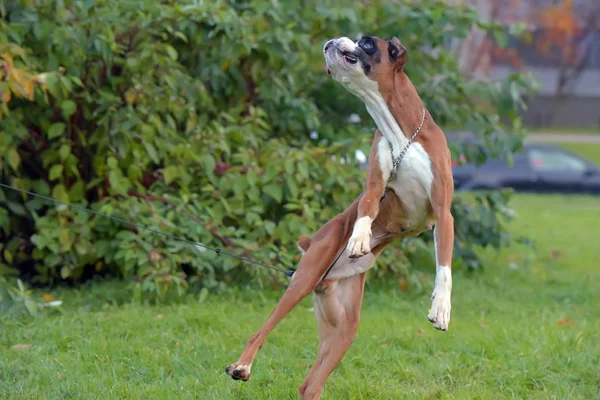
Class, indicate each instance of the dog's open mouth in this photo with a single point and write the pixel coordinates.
(350, 58)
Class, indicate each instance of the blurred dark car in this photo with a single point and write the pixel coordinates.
(540, 168)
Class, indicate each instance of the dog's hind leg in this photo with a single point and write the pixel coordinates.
(337, 306)
(319, 256)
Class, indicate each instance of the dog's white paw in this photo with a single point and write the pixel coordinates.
(359, 243)
(238, 372)
(439, 315)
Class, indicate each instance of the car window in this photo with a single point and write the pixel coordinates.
(548, 160)
(519, 161)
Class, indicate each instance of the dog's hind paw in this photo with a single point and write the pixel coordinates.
(238, 372)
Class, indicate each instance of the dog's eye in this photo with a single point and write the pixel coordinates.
(366, 43)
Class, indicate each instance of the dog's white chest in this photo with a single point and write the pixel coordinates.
(412, 183)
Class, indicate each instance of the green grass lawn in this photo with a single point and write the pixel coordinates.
(528, 327)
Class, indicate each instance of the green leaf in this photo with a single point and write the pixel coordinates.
(64, 151)
(270, 227)
(501, 37)
(293, 187)
(68, 108)
(112, 163)
(239, 185)
(38, 240)
(21, 286)
(93, 183)
(60, 193)
(32, 307)
(181, 36)
(77, 191)
(66, 81)
(51, 81)
(56, 130)
(274, 190)
(118, 184)
(41, 187)
(303, 169)
(13, 158)
(16, 208)
(170, 173)
(55, 172)
(151, 152)
(77, 81)
(172, 52)
(4, 222)
(203, 295)
(64, 239)
(289, 166)
(8, 256)
(65, 272)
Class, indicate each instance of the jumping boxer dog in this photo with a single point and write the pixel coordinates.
(408, 189)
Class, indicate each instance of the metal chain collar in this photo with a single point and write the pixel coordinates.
(397, 160)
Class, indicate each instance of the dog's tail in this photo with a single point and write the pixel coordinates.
(304, 244)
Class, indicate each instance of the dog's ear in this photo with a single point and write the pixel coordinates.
(397, 53)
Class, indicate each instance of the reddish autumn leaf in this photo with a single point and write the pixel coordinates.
(556, 254)
(403, 284)
(565, 321)
(221, 168)
(47, 297)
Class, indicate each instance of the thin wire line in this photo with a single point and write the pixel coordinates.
(215, 249)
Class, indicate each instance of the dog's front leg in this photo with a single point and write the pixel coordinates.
(380, 167)
(443, 234)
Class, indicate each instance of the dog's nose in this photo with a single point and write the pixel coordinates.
(327, 45)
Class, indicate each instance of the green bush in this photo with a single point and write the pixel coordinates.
(195, 118)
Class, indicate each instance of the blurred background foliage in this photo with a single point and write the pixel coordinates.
(215, 121)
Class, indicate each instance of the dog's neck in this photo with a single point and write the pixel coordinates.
(397, 110)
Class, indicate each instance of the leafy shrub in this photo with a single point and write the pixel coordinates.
(195, 118)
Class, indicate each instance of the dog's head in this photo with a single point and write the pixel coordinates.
(365, 64)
